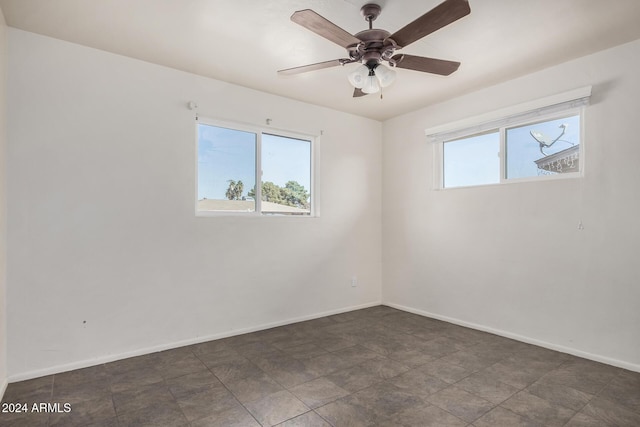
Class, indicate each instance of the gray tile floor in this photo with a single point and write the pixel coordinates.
(372, 367)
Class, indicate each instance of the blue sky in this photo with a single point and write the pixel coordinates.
(472, 161)
(523, 149)
(225, 154)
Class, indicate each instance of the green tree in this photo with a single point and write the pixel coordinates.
(272, 193)
(292, 194)
(234, 192)
(296, 195)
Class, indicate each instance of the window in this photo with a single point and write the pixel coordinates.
(544, 148)
(226, 163)
(286, 175)
(543, 143)
(473, 160)
(232, 159)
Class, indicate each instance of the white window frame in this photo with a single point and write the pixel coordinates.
(259, 131)
(572, 103)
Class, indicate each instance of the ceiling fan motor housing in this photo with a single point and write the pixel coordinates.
(375, 46)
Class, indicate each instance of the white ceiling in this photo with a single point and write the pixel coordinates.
(246, 41)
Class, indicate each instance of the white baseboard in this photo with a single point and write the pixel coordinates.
(517, 337)
(147, 350)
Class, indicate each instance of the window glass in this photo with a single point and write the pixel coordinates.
(472, 161)
(286, 175)
(545, 148)
(228, 159)
(226, 169)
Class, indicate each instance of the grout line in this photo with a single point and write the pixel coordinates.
(314, 411)
(225, 386)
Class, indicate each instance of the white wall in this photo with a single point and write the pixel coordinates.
(509, 258)
(101, 165)
(101, 225)
(3, 205)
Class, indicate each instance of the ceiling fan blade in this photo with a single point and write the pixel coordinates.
(323, 27)
(310, 67)
(440, 16)
(357, 93)
(426, 65)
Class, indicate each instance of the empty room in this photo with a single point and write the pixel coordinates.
(319, 213)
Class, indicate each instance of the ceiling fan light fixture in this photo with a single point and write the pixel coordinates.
(357, 78)
(385, 75)
(371, 83)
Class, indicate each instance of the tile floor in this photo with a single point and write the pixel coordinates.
(372, 367)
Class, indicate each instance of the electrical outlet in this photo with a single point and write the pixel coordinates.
(354, 281)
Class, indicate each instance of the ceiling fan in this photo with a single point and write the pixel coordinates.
(373, 46)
